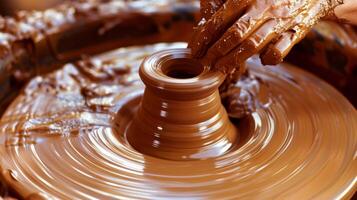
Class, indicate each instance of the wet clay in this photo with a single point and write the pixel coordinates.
(66, 136)
(233, 31)
(181, 116)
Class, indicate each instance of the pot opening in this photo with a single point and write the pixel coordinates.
(182, 68)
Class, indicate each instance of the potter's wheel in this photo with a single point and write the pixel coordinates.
(301, 146)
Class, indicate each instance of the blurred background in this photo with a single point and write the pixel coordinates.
(9, 7)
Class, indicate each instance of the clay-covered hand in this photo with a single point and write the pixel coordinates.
(231, 31)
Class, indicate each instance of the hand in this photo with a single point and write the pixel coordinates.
(234, 30)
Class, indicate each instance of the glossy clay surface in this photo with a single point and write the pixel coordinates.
(180, 116)
(63, 137)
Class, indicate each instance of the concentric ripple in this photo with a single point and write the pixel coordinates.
(59, 139)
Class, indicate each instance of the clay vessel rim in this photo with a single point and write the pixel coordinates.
(153, 75)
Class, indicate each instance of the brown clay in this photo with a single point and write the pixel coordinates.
(181, 115)
(65, 137)
(235, 30)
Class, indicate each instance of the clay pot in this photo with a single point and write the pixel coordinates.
(181, 115)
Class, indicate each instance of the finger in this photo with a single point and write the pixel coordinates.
(275, 53)
(265, 34)
(214, 27)
(237, 33)
(209, 7)
(242, 29)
